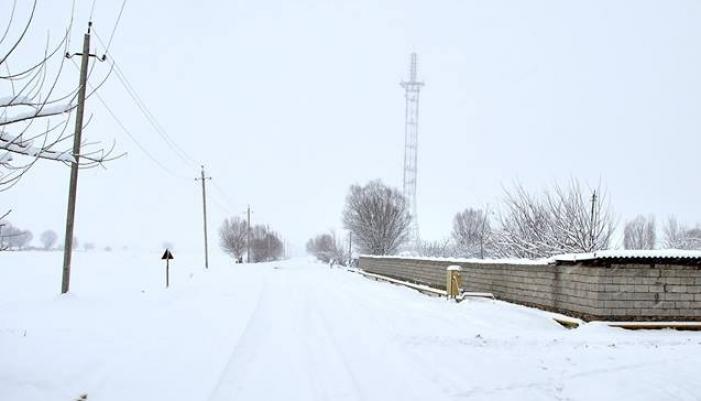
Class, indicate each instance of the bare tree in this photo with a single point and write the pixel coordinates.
(266, 244)
(12, 237)
(678, 236)
(378, 217)
(8, 234)
(88, 246)
(639, 233)
(24, 239)
(438, 249)
(48, 239)
(4, 227)
(472, 233)
(693, 236)
(16, 238)
(232, 237)
(30, 102)
(560, 221)
(327, 247)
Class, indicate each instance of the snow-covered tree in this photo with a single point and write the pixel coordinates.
(48, 239)
(14, 238)
(35, 114)
(266, 245)
(438, 249)
(561, 220)
(640, 233)
(232, 237)
(472, 233)
(378, 217)
(677, 236)
(326, 247)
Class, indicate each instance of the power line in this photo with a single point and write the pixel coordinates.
(92, 9)
(129, 134)
(217, 202)
(222, 192)
(131, 91)
(220, 203)
(187, 160)
(126, 131)
(152, 120)
(114, 29)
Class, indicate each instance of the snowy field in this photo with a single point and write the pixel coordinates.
(296, 330)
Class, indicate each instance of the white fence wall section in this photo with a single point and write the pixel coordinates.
(610, 291)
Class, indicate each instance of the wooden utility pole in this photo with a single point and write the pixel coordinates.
(248, 235)
(73, 186)
(591, 225)
(204, 213)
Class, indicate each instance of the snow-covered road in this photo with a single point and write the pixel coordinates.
(296, 330)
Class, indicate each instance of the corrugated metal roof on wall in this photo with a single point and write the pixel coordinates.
(653, 254)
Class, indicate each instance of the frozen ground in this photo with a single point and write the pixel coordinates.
(296, 330)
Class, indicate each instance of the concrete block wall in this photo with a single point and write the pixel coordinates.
(657, 291)
(615, 292)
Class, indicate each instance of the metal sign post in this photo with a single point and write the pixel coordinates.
(167, 256)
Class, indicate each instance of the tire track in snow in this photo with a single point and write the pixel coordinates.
(363, 322)
(274, 352)
(316, 314)
(243, 340)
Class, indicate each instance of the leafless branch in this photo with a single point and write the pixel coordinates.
(31, 98)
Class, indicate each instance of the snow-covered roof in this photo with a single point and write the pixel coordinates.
(514, 261)
(686, 256)
(630, 255)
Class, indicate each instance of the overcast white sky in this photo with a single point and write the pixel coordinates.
(287, 103)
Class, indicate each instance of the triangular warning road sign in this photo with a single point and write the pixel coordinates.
(167, 255)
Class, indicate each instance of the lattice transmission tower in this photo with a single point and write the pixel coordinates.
(412, 88)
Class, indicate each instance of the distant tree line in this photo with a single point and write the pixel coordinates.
(265, 244)
(557, 220)
(13, 238)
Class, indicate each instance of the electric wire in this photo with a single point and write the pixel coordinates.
(92, 9)
(221, 199)
(114, 29)
(133, 138)
(222, 193)
(129, 134)
(152, 120)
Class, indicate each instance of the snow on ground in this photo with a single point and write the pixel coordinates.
(296, 330)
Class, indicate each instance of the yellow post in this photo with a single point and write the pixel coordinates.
(453, 281)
